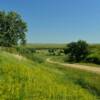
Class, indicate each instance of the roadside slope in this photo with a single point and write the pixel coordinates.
(22, 79)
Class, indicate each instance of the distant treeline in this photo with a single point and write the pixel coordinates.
(46, 46)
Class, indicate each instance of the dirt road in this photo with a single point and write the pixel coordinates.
(82, 67)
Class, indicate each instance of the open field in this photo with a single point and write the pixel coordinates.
(45, 46)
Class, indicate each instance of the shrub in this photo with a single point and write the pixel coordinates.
(51, 51)
(93, 58)
(26, 52)
(9, 49)
(29, 53)
(33, 57)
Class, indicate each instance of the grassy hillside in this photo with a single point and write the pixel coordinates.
(22, 79)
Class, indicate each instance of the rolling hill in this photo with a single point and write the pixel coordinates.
(23, 79)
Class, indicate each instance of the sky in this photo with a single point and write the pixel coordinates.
(58, 21)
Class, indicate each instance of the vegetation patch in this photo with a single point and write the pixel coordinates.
(20, 80)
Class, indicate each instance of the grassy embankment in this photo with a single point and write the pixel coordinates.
(23, 79)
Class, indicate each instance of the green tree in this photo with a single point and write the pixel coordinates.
(12, 29)
(77, 51)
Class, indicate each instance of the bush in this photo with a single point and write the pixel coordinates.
(9, 49)
(29, 53)
(93, 58)
(51, 51)
(26, 52)
(33, 57)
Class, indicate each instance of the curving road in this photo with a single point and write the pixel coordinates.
(77, 66)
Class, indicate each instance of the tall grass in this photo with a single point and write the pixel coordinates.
(27, 80)
(29, 53)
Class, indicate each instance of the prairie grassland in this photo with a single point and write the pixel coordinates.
(23, 79)
(46, 46)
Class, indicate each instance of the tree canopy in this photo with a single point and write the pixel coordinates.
(77, 51)
(12, 29)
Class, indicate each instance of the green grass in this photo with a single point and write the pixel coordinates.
(87, 80)
(28, 80)
(59, 58)
(62, 60)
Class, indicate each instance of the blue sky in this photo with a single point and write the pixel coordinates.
(58, 21)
